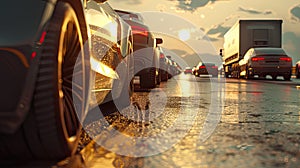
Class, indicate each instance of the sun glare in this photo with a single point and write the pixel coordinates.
(184, 35)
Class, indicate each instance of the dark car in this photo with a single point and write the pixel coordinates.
(206, 69)
(46, 62)
(174, 68)
(146, 54)
(297, 73)
(266, 61)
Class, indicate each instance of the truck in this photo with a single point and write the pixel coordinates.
(246, 34)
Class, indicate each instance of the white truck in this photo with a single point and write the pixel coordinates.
(246, 34)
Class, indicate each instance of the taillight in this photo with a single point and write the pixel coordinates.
(33, 54)
(162, 55)
(255, 59)
(139, 30)
(287, 59)
(202, 67)
(214, 67)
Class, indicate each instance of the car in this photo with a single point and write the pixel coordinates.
(112, 47)
(297, 68)
(146, 54)
(164, 65)
(174, 67)
(40, 50)
(266, 61)
(188, 70)
(47, 63)
(206, 68)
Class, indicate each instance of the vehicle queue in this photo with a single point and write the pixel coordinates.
(66, 52)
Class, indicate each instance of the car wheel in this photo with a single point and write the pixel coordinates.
(58, 100)
(248, 75)
(158, 78)
(287, 77)
(148, 80)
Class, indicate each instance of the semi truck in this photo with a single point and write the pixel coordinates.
(246, 34)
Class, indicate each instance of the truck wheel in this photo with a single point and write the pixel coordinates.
(148, 80)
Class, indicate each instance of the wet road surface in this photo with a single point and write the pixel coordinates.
(202, 122)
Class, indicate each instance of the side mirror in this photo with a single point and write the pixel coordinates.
(221, 52)
(159, 40)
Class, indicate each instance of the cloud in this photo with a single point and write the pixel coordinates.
(295, 12)
(193, 59)
(221, 30)
(291, 43)
(255, 12)
(192, 5)
(129, 2)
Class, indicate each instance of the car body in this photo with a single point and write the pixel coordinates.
(146, 53)
(266, 61)
(206, 69)
(164, 65)
(297, 69)
(188, 70)
(112, 48)
(174, 67)
(47, 61)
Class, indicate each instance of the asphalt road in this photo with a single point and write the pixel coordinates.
(201, 122)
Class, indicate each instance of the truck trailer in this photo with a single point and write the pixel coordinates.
(246, 34)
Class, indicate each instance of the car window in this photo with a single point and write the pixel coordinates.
(269, 51)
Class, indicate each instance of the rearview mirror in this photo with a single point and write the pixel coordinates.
(159, 40)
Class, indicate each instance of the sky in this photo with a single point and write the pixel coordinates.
(196, 27)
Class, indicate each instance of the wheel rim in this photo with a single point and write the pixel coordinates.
(72, 92)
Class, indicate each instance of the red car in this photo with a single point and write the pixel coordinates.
(188, 70)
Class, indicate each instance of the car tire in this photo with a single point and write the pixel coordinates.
(58, 101)
(158, 78)
(248, 75)
(287, 77)
(164, 75)
(148, 80)
(51, 129)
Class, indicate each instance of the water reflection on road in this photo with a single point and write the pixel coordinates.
(259, 126)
